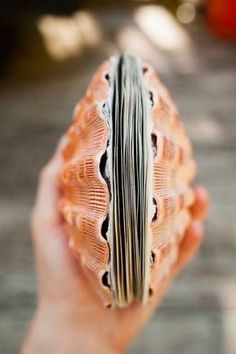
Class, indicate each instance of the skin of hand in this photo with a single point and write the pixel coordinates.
(69, 318)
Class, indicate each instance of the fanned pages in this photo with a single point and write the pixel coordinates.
(125, 185)
(130, 183)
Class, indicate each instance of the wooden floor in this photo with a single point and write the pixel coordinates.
(199, 313)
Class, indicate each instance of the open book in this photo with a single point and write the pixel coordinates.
(130, 170)
(125, 185)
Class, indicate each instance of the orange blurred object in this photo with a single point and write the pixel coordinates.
(221, 17)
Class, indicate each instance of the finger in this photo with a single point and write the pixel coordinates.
(190, 243)
(200, 206)
(188, 248)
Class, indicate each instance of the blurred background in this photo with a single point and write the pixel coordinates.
(48, 52)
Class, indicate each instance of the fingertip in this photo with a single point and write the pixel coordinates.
(58, 152)
(201, 192)
(194, 234)
(200, 206)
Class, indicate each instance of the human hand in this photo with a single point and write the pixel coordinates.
(69, 318)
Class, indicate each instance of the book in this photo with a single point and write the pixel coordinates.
(125, 186)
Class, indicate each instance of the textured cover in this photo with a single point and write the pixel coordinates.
(84, 199)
